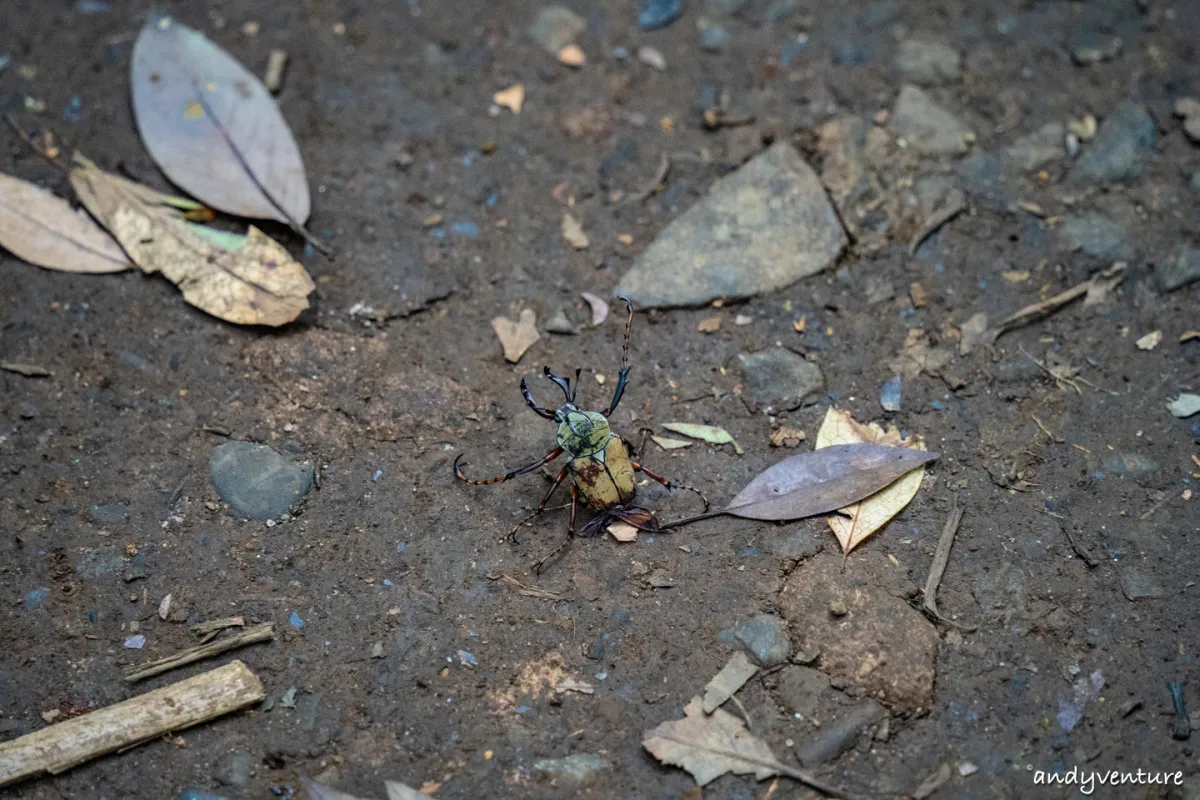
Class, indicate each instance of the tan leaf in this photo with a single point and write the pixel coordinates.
(867, 516)
(572, 55)
(710, 746)
(572, 231)
(724, 685)
(511, 98)
(256, 284)
(623, 532)
(599, 308)
(516, 337)
(919, 356)
(707, 433)
(44, 230)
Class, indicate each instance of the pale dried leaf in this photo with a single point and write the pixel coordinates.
(44, 230)
(1149, 341)
(667, 443)
(511, 98)
(213, 127)
(623, 532)
(725, 684)
(919, 356)
(257, 284)
(710, 746)
(599, 308)
(707, 433)
(572, 231)
(516, 337)
(867, 516)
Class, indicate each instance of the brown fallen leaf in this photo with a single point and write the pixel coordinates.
(709, 325)
(709, 746)
(787, 437)
(728, 681)
(918, 295)
(572, 231)
(516, 337)
(257, 283)
(44, 230)
(865, 517)
(512, 98)
(919, 356)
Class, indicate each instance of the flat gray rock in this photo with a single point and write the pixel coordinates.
(928, 62)
(1121, 148)
(1097, 236)
(255, 480)
(779, 379)
(759, 229)
(1139, 584)
(1178, 272)
(1034, 150)
(928, 127)
(765, 638)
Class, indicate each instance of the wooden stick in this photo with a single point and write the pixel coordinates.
(1036, 311)
(941, 558)
(214, 625)
(139, 719)
(259, 633)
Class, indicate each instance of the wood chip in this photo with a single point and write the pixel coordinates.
(1096, 285)
(623, 532)
(1149, 341)
(955, 205)
(203, 628)
(512, 98)
(787, 437)
(941, 557)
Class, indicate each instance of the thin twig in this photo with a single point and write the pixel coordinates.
(259, 633)
(660, 175)
(936, 220)
(1036, 311)
(524, 588)
(941, 558)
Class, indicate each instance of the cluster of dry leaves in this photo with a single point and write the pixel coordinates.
(215, 131)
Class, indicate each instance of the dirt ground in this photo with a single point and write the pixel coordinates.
(392, 565)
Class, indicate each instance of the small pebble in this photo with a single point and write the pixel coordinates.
(652, 58)
(657, 14)
(838, 608)
(714, 38)
(135, 642)
(889, 395)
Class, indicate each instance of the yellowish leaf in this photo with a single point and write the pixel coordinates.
(667, 443)
(516, 337)
(707, 433)
(869, 515)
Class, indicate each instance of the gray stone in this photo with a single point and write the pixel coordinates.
(233, 769)
(556, 27)
(779, 379)
(559, 323)
(577, 767)
(112, 512)
(1178, 272)
(890, 394)
(1092, 46)
(655, 14)
(759, 229)
(1139, 584)
(799, 545)
(801, 690)
(928, 62)
(723, 8)
(1097, 236)
(928, 127)
(255, 480)
(765, 638)
(1129, 464)
(1121, 147)
(1035, 150)
(840, 736)
(714, 38)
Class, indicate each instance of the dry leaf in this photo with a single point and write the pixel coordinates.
(623, 532)
(572, 231)
(599, 308)
(709, 325)
(511, 98)
(787, 437)
(212, 126)
(1187, 336)
(256, 284)
(707, 433)
(572, 685)
(800, 324)
(44, 230)
(572, 55)
(869, 515)
(516, 337)
(974, 333)
(667, 443)
(725, 684)
(1149, 341)
(710, 746)
(918, 295)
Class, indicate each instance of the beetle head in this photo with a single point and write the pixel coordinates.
(580, 432)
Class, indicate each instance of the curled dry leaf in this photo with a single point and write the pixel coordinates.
(256, 284)
(707, 433)
(516, 337)
(212, 126)
(725, 684)
(709, 746)
(572, 231)
(599, 308)
(512, 98)
(44, 230)
(863, 518)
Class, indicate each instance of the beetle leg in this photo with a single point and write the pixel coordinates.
(545, 413)
(541, 506)
(623, 377)
(546, 459)
(537, 568)
(639, 468)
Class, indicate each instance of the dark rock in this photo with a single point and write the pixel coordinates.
(1096, 236)
(1035, 150)
(838, 737)
(1139, 584)
(928, 127)
(1130, 464)
(556, 27)
(780, 379)
(1121, 147)
(655, 14)
(982, 176)
(233, 769)
(559, 323)
(714, 38)
(1092, 46)
(256, 481)
(926, 62)
(765, 638)
(1178, 272)
(759, 229)
(801, 690)
(799, 545)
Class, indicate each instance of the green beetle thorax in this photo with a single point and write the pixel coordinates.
(581, 433)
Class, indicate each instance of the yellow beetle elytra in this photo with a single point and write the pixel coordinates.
(599, 460)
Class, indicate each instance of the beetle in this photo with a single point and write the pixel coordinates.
(599, 461)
